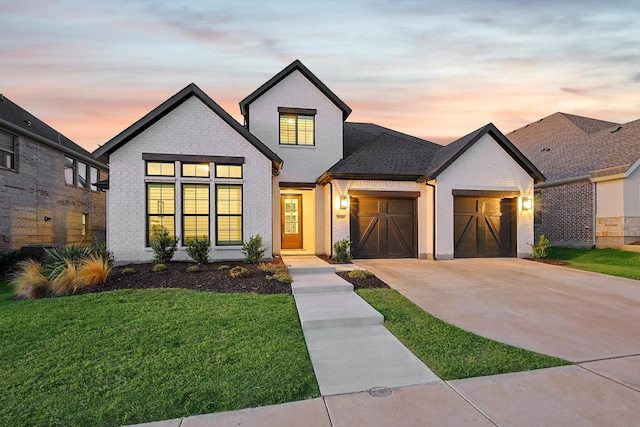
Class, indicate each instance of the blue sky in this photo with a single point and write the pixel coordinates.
(434, 69)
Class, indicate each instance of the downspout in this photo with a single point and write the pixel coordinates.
(595, 213)
(331, 219)
(433, 203)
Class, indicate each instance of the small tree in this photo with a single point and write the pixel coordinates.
(253, 249)
(164, 246)
(343, 251)
(541, 250)
(198, 249)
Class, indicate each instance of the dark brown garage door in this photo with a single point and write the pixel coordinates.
(484, 227)
(383, 227)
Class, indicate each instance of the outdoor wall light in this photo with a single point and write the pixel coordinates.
(47, 218)
(527, 203)
(344, 202)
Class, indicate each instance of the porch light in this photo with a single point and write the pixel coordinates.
(344, 202)
(527, 203)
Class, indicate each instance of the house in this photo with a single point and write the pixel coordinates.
(303, 178)
(592, 193)
(49, 194)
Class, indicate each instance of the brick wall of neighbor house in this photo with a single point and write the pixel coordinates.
(303, 164)
(192, 128)
(38, 190)
(567, 214)
(484, 166)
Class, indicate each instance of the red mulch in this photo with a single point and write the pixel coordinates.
(548, 261)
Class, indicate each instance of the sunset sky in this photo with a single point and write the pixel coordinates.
(433, 69)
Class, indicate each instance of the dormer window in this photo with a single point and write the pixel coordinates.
(297, 126)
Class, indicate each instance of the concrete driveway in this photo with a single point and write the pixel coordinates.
(575, 315)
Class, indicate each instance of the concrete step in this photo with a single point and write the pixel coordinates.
(335, 309)
(318, 283)
(321, 269)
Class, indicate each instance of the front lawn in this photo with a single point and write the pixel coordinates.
(452, 353)
(608, 261)
(132, 356)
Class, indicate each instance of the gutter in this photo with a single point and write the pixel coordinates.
(563, 181)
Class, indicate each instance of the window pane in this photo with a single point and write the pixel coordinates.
(6, 142)
(195, 169)
(305, 130)
(161, 199)
(82, 175)
(229, 214)
(84, 224)
(228, 171)
(288, 128)
(69, 171)
(229, 230)
(159, 223)
(195, 199)
(94, 179)
(6, 159)
(160, 168)
(195, 226)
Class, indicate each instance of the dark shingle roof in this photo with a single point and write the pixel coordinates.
(571, 147)
(295, 65)
(168, 106)
(20, 119)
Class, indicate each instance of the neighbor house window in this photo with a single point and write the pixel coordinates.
(94, 178)
(228, 215)
(228, 171)
(295, 128)
(160, 209)
(7, 151)
(537, 208)
(195, 212)
(161, 169)
(199, 170)
(69, 171)
(84, 224)
(82, 175)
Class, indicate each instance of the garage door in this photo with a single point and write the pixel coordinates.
(485, 227)
(383, 227)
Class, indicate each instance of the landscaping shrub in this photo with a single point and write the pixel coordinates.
(238, 271)
(223, 267)
(343, 251)
(360, 274)
(58, 259)
(29, 281)
(541, 250)
(281, 276)
(127, 271)
(159, 267)
(164, 246)
(198, 250)
(10, 259)
(93, 271)
(272, 268)
(193, 269)
(64, 280)
(253, 249)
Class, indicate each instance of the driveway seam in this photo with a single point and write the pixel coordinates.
(326, 408)
(608, 358)
(608, 378)
(481, 412)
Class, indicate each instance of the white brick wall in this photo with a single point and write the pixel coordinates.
(485, 166)
(192, 128)
(301, 164)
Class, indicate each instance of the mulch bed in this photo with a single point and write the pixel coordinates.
(548, 261)
(372, 282)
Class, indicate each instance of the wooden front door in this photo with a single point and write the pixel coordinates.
(291, 231)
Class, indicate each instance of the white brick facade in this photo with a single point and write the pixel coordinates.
(190, 129)
(484, 166)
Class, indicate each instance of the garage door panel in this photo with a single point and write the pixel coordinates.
(399, 234)
(369, 235)
(465, 234)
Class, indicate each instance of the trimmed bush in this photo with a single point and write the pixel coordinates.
(343, 251)
(193, 269)
(541, 250)
(223, 267)
(127, 271)
(164, 247)
(198, 250)
(281, 276)
(238, 272)
(360, 274)
(29, 281)
(159, 267)
(253, 249)
(272, 268)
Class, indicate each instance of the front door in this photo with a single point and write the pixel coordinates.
(291, 231)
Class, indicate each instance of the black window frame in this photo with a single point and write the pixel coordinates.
(183, 214)
(241, 215)
(149, 215)
(5, 153)
(296, 113)
(229, 176)
(74, 171)
(146, 168)
(183, 164)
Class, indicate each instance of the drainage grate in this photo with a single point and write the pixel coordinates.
(380, 392)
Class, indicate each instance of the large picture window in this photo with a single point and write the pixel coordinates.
(296, 129)
(228, 215)
(195, 212)
(160, 209)
(7, 151)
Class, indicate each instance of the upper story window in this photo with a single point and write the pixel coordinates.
(228, 171)
(199, 170)
(297, 126)
(69, 171)
(161, 169)
(82, 175)
(94, 178)
(7, 151)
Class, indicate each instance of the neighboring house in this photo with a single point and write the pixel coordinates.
(48, 185)
(300, 176)
(592, 193)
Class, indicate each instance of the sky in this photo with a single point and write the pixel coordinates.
(430, 68)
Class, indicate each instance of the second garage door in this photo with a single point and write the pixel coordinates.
(383, 227)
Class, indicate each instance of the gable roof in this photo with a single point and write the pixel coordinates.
(171, 104)
(20, 120)
(295, 65)
(567, 147)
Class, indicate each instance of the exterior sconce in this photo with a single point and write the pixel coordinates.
(344, 202)
(47, 218)
(527, 203)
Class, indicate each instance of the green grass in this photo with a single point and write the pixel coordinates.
(450, 352)
(129, 356)
(608, 261)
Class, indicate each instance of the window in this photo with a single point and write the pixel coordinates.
(94, 178)
(537, 208)
(200, 170)
(7, 151)
(195, 211)
(161, 169)
(296, 129)
(69, 171)
(160, 209)
(228, 171)
(82, 175)
(228, 215)
(84, 224)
